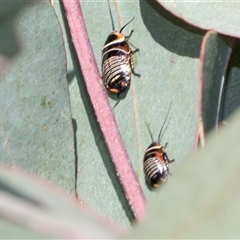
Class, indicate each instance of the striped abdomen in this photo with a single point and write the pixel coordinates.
(155, 165)
(117, 63)
(116, 69)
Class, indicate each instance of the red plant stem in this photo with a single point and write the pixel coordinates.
(103, 110)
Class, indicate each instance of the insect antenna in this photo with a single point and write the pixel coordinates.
(126, 24)
(160, 133)
(148, 128)
(165, 128)
(111, 16)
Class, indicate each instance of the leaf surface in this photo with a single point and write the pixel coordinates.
(160, 62)
(203, 199)
(210, 15)
(8, 40)
(232, 87)
(215, 54)
(33, 208)
(36, 132)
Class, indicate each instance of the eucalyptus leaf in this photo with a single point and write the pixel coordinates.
(8, 41)
(215, 55)
(9, 45)
(34, 208)
(232, 87)
(35, 115)
(169, 73)
(210, 15)
(203, 199)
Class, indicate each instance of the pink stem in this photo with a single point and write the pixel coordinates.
(103, 109)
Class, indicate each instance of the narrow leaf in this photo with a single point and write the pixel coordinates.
(214, 57)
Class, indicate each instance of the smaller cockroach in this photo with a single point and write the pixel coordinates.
(155, 161)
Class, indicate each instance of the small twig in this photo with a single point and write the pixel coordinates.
(103, 109)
